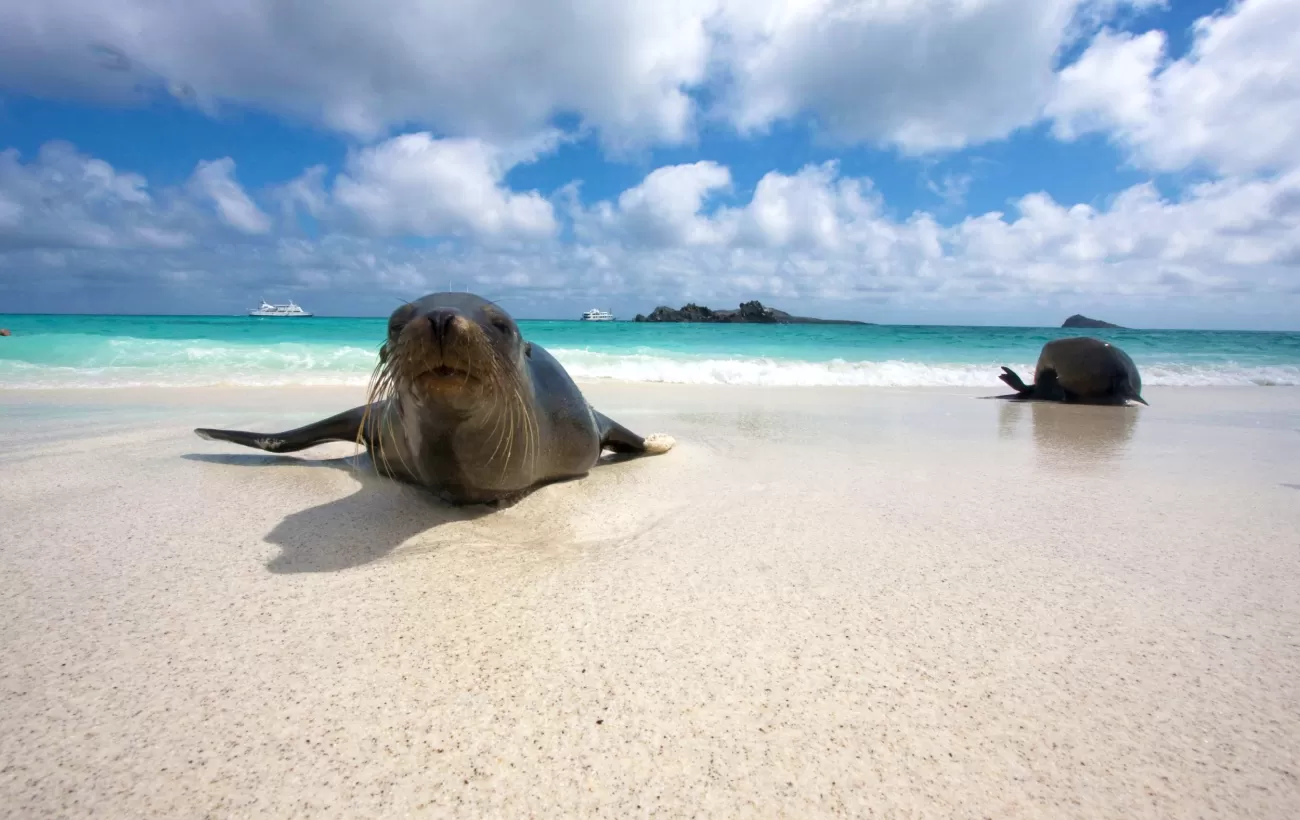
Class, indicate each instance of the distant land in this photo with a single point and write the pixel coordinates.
(752, 312)
(1079, 320)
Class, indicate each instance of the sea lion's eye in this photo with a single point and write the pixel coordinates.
(400, 318)
(501, 325)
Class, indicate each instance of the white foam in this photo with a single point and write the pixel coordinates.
(197, 365)
(583, 364)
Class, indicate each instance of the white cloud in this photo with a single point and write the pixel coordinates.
(412, 185)
(813, 236)
(809, 209)
(917, 74)
(487, 68)
(1221, 233)
(11, 213)
(663, 210)
(215, 181)
(415, 184)
(307, 191)
(66, 199)
(921, 75)
(1232, 104)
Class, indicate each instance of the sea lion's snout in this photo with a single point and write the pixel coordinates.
(445, 323)
(445, 337)
(440, 350)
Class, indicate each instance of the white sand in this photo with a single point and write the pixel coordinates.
(841, 601)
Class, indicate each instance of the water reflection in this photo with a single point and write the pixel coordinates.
(1068, 436)
(1009, 415)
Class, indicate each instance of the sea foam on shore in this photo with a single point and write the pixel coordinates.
(196, 363)
(115, 351)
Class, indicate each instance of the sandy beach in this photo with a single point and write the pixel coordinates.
(823, 601)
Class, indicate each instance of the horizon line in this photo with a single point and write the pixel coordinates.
(631, 321)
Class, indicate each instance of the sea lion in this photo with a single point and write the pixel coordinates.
(461, 404)
(1079, 370)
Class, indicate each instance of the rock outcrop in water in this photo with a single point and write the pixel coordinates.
(752, 312)
(1079, 320)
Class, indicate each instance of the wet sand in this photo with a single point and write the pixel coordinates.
(903, 603)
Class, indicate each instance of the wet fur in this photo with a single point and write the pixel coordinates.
(461, 404)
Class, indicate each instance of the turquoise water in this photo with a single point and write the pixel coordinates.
(107, 351)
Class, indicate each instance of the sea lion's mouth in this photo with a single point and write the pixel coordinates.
(445, 374)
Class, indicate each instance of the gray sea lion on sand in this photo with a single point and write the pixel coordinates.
(462, 405)
(1079, 370)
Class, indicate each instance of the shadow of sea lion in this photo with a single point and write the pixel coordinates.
(351, 531)
(365, 526)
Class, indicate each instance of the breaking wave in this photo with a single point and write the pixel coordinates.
(131, 362)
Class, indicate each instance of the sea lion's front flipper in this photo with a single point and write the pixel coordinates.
(343, 427)
(616, 437)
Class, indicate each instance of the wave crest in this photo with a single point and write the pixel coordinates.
(124, 362)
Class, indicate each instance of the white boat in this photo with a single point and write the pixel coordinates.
(267, 309)
(597, 315)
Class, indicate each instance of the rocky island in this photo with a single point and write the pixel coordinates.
(1079, 320)
(752, 312)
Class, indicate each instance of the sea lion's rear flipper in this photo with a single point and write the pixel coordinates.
(344, 427)
(1126, 392)
(1013, 380)
(616, 437)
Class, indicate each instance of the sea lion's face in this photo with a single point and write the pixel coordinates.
(451, 349)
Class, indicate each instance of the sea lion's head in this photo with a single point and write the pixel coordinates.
(451, 350)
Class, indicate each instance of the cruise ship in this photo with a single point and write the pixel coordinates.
(597, 315)
(267, 309)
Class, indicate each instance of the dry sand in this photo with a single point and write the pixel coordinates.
(823, 601)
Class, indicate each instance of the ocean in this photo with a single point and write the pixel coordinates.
(179, 351)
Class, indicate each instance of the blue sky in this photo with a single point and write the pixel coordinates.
(1014, 162)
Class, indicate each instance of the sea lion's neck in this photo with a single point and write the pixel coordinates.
(489, 448)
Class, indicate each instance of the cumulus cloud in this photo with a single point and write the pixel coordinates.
(811, 235)
(65, 199)
(924, 75)
(920, 75)
(816, 234)
(663, 210)
(494, 68)
(417, 185)
(1231, 105)
(215, 181)
(1222, 234)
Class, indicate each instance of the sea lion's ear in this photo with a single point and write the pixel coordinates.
(528, 350)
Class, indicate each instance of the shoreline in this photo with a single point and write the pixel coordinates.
(598, 384)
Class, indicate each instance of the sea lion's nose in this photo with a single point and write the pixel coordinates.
(440, 322)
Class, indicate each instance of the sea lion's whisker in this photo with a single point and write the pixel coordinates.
(528, 425)
(510, 428)
(499, 431)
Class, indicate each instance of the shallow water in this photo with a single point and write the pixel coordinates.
(105, 351)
